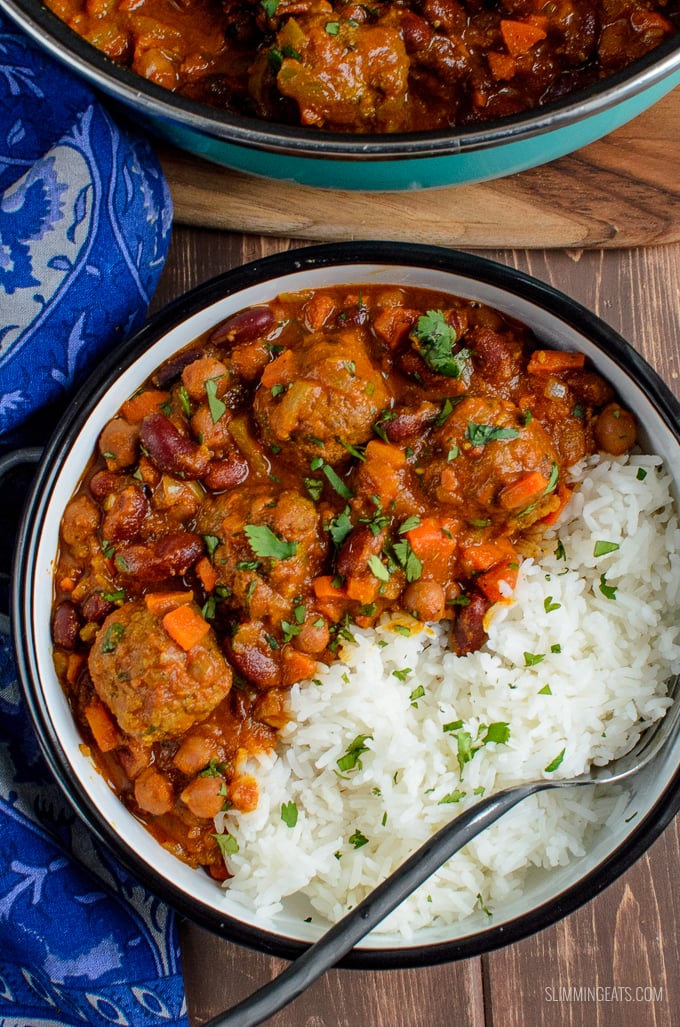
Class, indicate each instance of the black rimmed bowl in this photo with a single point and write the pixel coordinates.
(366, 162)
(654, 793)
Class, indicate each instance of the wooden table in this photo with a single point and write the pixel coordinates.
(628, 936)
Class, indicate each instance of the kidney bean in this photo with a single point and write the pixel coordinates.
(224, 474)
(416, 32)
(170, 556)
(408, 423)
(126, 516)
(171, 371)
(590, 388)
(103, 483)
(447, 16)
(356, 550)
(66, 624)
(242, 327)
(170, 450)
(96, 608)
(468, 634)
(252, 656)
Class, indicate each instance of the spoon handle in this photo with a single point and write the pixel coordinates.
(344, 935)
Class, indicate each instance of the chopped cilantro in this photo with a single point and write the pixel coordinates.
(289, 813)
(602, 548)
(608, 591)
(454, 796)
(227, 844)
(412, 566)
(358, 839)
(351, 759)
(435, 339)
(215, 404)
(554, 764)
(265, 543)
(482, 434)
(549, 606)
(531, 659)
(112, 638)
(211, 544)
(378, 568)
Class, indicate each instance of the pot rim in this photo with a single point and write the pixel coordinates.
(476, 268)
(133, 90)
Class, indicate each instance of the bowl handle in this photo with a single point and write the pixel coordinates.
(17, 458)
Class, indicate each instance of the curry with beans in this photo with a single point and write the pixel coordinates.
(307, 465)
(388, 66)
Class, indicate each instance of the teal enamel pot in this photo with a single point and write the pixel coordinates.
(364, 162)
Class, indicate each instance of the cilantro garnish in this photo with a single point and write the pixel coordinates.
(351, 760)
(264, 542)
(482, 434)
(554, 764)
(227, 844)
(435, 338)
(289, 813)
(601, 548)
(215, 404)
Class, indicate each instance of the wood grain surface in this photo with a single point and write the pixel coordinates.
(615, 962)
(621, 191)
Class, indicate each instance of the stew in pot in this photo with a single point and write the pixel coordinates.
(388, 66)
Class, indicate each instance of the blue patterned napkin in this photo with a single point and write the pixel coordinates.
(85, 220)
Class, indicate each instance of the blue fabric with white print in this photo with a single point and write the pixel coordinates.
(85, 220)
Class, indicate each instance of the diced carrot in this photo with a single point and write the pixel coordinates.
(362, 588)
(207, 573)
(563, 496)
(296, 666)
(102, 726)
(74, 667)
(391, 324)
(383, 452)
(243, 793)
(432, 543)
(554, 361)
(67, 584)
(136, 409)
(162, 602)
(186, 626)
(280, 371)
(503, 66)
(481, 557)
(520, 36)
(317, 310)
(491, 581)
(524, 491)
(324, 588)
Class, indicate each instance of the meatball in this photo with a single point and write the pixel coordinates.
(322, 394)
(154, 688)
(271, 545)
(491, 453)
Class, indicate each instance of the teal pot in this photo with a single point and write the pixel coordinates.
(364, 162)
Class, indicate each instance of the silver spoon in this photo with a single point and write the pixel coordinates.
(344, 935)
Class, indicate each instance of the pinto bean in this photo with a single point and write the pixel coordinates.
(425, 599)
(66, 625)
(153, 792)
(168, 557)
(615, 430)
(242, 327)
(118, 444)
(126, 516)
(170, 450)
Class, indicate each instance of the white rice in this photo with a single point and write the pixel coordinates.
(605, 662)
